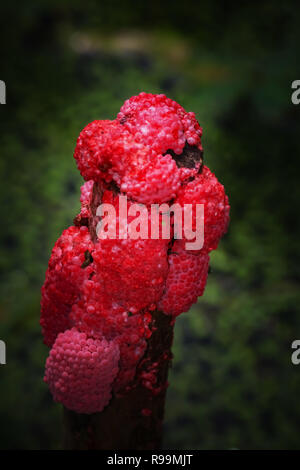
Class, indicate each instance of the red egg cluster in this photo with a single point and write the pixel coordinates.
(186, 279)
(80, 371)
(100, 293)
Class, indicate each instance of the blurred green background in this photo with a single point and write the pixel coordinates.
(67, 63)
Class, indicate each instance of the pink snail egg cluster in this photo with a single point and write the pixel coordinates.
(80, 371)
(99, 294)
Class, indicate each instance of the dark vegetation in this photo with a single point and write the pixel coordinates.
(68, 63)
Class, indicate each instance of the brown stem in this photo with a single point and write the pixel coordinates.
(125, 423)
(133, 420)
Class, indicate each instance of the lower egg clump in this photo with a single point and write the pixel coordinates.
(100, 295)
(81, 370)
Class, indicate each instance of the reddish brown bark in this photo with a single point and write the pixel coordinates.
(122, 424)
(134, 420)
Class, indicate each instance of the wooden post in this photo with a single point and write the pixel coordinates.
(134, 420)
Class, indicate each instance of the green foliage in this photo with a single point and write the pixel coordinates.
(232, 381)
